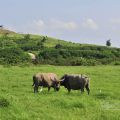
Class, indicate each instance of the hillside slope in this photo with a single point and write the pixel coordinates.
(48, 42)
(3, 31)
(49, 50)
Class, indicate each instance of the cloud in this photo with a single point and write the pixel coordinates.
(36, 26)
(115, 21)
(60, 25)
(39, 23)
(115, 25)
(53, 26)
(71, 25)
(90, 24)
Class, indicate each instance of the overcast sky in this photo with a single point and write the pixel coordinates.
(83, 21)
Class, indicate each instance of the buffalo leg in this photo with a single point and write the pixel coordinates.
(87, 88)
(69, 90)
(54, 86)
(35, 89)
(82, 90)
(54, 89)
(48, 89)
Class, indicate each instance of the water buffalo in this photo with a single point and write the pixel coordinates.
(45, 80)
(75, 82)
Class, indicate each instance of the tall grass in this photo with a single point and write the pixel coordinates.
(18, 102)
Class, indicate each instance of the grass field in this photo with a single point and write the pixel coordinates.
(18, 102)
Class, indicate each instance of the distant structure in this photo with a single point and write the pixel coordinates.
(1, 26)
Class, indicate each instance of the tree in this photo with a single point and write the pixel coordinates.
(57, 46)
(108, 43)
(44, 39)
(27, 37)
(40, 44)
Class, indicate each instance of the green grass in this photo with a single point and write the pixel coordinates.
(18, 102)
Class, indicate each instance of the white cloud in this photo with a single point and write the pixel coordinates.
(39, 23)
(35, 27)
(71, 25)
(115, 21)
(90, 23)
(115, 25)
(61, 25)
(50, 26)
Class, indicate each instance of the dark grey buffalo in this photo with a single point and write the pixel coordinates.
(75, 82)
(45, 80)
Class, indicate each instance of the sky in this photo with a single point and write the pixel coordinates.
(82, 21)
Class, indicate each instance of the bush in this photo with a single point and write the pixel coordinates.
(13, 56)
(77, 57)
(116, 63)
(7, 44)
(57, 46)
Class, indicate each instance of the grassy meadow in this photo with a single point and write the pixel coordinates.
(18, 102)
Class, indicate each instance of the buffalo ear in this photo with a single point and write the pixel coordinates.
(61, 81)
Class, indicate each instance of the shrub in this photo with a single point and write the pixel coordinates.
(57, 46)
(116, 63)
(78, 57)
(13, 56)
(7, 43)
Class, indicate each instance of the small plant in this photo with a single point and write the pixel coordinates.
(4, 102)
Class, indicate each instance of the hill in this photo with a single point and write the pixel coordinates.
(5, 31)
(49, 50)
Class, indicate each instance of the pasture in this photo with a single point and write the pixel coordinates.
(18, 102)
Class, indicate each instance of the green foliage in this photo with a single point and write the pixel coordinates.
(40, 44)
(57, 46)
(27, 37)
(58, 52)
(13, 56)
(44, 39)
(7, 44)
(78, 57)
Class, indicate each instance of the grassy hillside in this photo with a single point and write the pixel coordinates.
(5, 31)
(53, 51)
(18, 102)
(50, 42)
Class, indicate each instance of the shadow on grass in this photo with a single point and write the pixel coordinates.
(15, 86)
(75, 93)
(45, 92)
(65, 104)
(102, 95)
(4, 103)
(3, 90)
